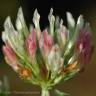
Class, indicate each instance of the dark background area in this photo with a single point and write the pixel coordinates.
(82, 85)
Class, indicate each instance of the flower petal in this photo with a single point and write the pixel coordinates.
(46, 42)
(84, 44)
(10, 57)
(31, 43)
(20, 23)
(62, 36)
(51, 19)
(55, 61)
(36, 19)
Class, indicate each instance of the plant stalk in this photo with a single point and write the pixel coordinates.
(45, 92)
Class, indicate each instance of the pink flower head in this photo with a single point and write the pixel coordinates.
(84, 44)
(31, 43)
(46, 42)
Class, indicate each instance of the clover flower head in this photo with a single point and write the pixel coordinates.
(46, 57)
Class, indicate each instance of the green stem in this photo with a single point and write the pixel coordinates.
(45, 92)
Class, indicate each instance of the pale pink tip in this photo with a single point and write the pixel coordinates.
(9, 54)
(46, 42)
(31, 43)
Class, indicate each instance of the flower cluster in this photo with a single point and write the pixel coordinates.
(49, 56)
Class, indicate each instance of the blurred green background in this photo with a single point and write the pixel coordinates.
(84, 84)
